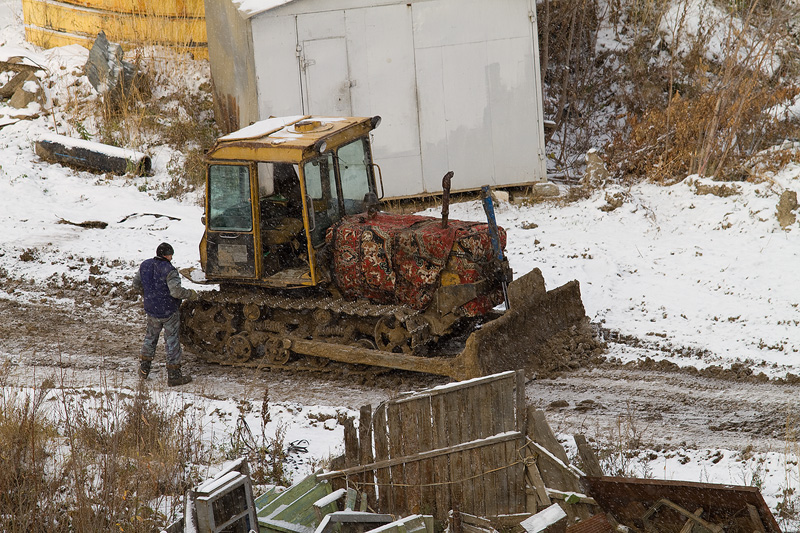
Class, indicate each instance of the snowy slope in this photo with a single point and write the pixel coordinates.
(703, 279)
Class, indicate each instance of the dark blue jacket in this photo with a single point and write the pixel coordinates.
(158, 301)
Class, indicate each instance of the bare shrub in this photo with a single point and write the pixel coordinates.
(665, 99)
(266, 454)
(93, 460)
(154, 111)
(25, 437)
(717, 113)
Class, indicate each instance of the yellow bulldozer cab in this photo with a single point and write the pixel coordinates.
(272, 191)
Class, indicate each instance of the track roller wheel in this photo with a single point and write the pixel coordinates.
(251, 311)
(209, 325)
(279, 351)
(239, 348)
(391, 335)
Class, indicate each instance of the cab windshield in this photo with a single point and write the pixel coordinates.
(229, 205)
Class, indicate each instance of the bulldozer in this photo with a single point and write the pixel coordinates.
(308, 269)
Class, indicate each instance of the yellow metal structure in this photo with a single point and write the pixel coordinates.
(285, 141)
(179, 24)
(292, 140)
(275, 192)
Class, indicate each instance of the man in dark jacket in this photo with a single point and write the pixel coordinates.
(160, 283)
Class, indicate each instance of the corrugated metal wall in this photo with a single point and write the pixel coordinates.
(176, 23)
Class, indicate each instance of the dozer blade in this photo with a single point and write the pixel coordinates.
(536, 334)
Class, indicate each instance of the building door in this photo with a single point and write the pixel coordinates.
(326, 78)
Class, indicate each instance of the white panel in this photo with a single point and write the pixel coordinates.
(277, 68)
(311, 26)
(478, 92)
(450, 22)
(381, 59)
(302, 7)
(514, 126)
(468, 118)
(327, 81)
(401, 175)
(432, 121)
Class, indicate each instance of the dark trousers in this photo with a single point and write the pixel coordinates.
(171, 326)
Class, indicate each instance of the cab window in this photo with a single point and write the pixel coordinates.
(354, 167)
(229, 198)
(321, 191)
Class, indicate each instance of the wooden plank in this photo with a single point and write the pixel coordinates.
(590, 462)
(543, 434)
(441, 464)
(410, 416)
(427, 469)
(521, 496)
(481, 400)
(506, 487)
(688, 526)
(495, 400)
(758, 525)
(350, 443)
(453, 410)
(289, 495)
(467, 408)
(381, 438)
(398, 503)
(570, 497)
(546, 456)
(531, 500)
(365, 435)
(422, 456)
(550, 463)
(487, 487)
(715, 528)
(454, 387)
(366, 455)
(536, 481)
(301, 511)
(520, 402)
(468, 469)
(350, 500)
(469, 431)
(508, 400)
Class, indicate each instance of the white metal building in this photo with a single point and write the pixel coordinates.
(456, 81)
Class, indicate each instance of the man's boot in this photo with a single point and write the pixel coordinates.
(144, 368)
(175, 378)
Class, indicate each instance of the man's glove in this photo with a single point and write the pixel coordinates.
(193, 295)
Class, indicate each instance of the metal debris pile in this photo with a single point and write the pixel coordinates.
(471, 457)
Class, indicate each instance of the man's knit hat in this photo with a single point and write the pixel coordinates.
(164, 249)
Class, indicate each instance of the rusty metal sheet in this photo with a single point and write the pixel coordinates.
(628, 499)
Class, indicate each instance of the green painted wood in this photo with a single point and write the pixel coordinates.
(301, 511)
(289, 495)
(267, 497)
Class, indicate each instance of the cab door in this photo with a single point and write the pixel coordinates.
(230, 232)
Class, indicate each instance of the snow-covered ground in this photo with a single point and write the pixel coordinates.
(704, 279)
(710, 274)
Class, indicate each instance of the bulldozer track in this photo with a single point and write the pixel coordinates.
(247, 328)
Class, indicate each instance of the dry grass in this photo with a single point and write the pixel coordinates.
(154, 112)
(667, 111)
(93, 461)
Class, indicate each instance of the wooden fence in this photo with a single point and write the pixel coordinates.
(459, 446)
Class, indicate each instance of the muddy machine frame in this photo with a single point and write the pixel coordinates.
(273, 191)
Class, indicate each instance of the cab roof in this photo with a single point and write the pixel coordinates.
(289, 139)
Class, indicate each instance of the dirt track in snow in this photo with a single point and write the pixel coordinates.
(82, 339)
